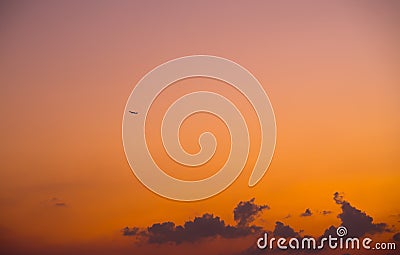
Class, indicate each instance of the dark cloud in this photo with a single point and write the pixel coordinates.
(287, 216)
(252, 250)
(130, 231)
(285, 231)
(306, 213)
(206, 226)
(281, 230)
(396, 237)
(201, 227)
(338, 197)
(330, 231)
(246, 211)
(324, 212)
(358, 223)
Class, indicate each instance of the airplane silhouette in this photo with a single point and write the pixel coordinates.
(133, 112)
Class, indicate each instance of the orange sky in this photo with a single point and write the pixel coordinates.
(67, 69)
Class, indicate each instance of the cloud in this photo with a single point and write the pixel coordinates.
(338, 197)
(252, 250)
(246, 211)
(130, 231)
(206, 226)
(307, 213)
(358, 223)
(283, 230)
(396, 237)
(201, 227)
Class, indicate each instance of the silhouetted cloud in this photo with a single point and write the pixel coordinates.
(130, 231)
(330, 231)
(285, 231)
(307, 213)
(201, 227)
(396, 237)
(338, 197)
(358, 223)
(246, 211)
(206, 226)
(324, 212)
(252, 250)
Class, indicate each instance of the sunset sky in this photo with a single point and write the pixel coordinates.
(331, 71)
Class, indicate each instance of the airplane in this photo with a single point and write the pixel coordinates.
(133, 112)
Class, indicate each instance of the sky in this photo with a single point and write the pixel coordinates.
(67, 68)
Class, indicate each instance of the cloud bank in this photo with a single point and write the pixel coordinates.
(206, 226)
(357, 222)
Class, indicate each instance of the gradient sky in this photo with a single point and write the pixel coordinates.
(330, 69)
